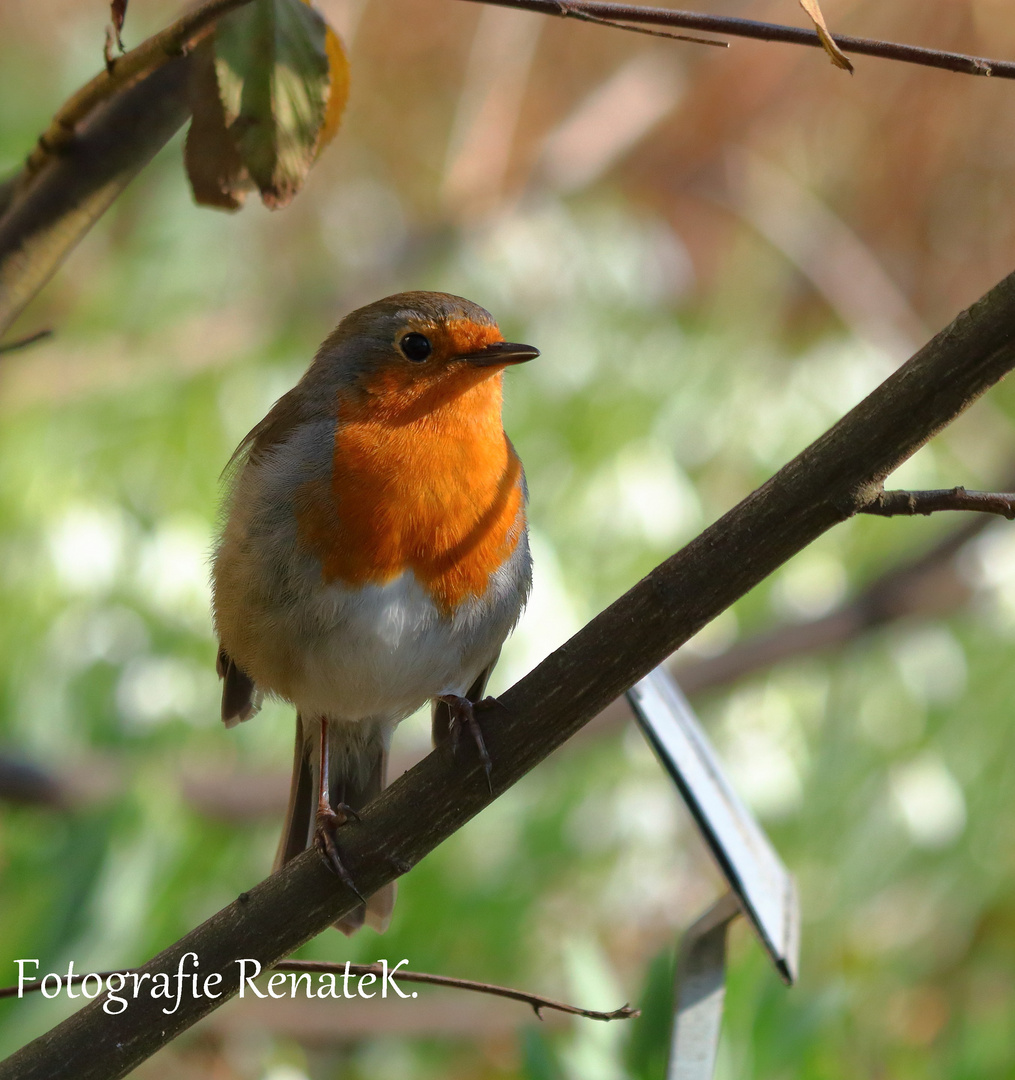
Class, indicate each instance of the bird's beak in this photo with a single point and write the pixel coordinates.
(500, 354)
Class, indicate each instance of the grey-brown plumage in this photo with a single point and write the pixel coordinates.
(375, 553)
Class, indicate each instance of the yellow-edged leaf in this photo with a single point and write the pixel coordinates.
(837, 56)
(338, 89)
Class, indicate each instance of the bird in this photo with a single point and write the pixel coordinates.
(374, 554)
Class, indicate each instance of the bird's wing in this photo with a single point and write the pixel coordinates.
(286, 414)
(240, 697)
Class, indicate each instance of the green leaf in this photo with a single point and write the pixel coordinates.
(272, 67)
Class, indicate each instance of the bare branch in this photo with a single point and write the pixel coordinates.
(894, 503)
(48, 217)
(94, 146)
(175, 40)
(536, 1001)
(24, 342)
(569, 10)
(828, 482)
(610, 13)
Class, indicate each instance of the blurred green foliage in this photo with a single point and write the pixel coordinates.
(884, 773)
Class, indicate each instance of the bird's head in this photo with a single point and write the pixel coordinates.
(418, 349)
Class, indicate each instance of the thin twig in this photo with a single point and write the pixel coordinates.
(567, 10)
(23, 343)
(174, 40)
(611, 13)
(894, 503)
(536, 1001)
(625, 1012)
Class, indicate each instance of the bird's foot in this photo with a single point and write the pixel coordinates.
(329, 821)
(463, 715)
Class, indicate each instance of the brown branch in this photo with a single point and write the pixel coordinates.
(602, 11)
(24, 783)
(894, 503)
(71, 192)
(95, 145)
(536, 1001)
(175, 40)
(834, 478)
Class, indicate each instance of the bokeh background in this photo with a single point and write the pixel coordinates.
(718, 252)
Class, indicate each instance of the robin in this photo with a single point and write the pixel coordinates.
(375, 553)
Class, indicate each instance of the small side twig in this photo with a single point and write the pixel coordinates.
(625, 1012)
(122, 70)
(909, 503)
(23, 343)
(567, 10)
(536, 1001)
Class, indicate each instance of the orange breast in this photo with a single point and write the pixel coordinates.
(434, 488)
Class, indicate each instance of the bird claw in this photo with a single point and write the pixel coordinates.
(328, 822)
(463, 715)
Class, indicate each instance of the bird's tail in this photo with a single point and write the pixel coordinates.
(358, 768)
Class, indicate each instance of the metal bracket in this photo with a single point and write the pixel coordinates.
(760, 885)
(701, 991)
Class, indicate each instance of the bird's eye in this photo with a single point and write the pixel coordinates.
(416, 347)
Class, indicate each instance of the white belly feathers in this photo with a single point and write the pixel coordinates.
(389, 650)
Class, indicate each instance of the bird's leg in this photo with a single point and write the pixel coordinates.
(329, 818)
(464, 715)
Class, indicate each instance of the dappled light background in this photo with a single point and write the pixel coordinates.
(718, 252)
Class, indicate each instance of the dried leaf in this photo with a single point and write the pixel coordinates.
(275, 85)
(216, 172)
(838, 57)
(118, 11)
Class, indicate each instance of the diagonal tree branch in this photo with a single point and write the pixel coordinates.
(603, 11)
(834, 478)
(120, 72)
(74, 188)
(99, 140)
